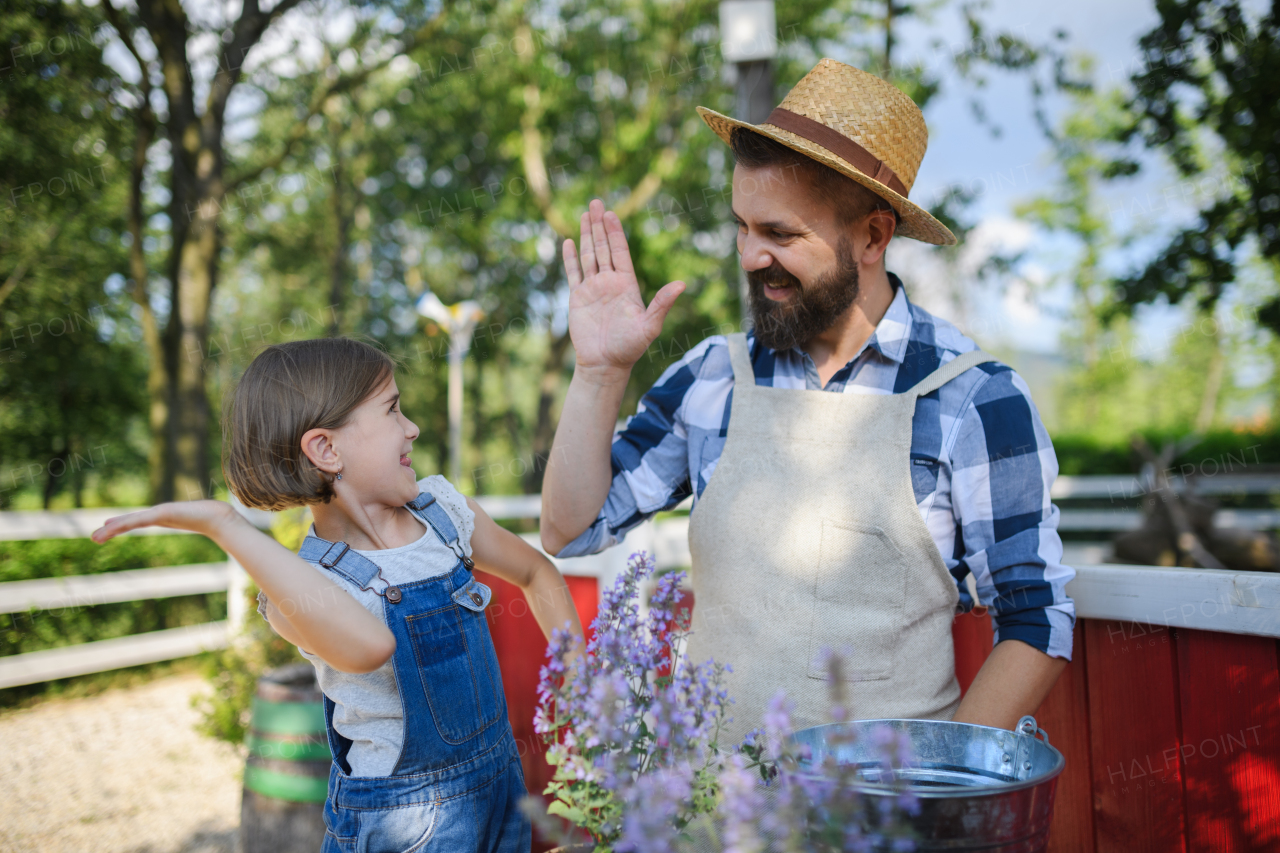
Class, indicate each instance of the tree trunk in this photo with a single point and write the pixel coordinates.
(159, 460)
(51, 482)
(510, 419)
(342, 232)
(1212, 387)
(191, 416)
(180, 413)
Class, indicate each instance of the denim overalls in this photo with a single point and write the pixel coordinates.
(458, 783)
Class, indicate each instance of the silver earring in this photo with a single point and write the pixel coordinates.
(339, 475)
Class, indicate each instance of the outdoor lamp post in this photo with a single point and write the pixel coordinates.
(749, 39)
(459, 320)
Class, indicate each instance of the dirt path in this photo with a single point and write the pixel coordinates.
(124, 772)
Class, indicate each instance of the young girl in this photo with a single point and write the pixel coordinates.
(381, 598)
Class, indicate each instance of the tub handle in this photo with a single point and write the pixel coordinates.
(1022, 755)
(1027, 726)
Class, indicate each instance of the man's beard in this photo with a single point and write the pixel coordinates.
(810, 310)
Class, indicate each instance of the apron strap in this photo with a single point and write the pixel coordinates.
(950, 371)
(740, 357)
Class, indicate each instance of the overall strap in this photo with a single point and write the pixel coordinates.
(338, 557)
(426, 507)
(740, 358)
(950, 371)
(473, 595)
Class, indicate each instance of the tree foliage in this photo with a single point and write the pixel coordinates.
(1208, 97)
(69, 370)
(314, 167)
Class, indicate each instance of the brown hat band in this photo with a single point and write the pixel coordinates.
(839, 144)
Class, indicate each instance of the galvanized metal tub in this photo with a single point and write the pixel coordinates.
(979, 788)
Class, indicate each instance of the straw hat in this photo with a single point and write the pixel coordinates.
(859, 125)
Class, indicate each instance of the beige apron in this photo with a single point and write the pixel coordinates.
(808, 537)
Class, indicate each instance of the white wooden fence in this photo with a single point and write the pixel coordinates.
(1237, 602)
(54, 595)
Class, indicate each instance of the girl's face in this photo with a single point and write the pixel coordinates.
(373, 448)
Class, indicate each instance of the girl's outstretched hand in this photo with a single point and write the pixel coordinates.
(203, 517)
(323, 618)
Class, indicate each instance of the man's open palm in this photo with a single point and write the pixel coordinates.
(608, 322)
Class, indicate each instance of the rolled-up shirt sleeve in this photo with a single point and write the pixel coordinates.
(650, 460)
(1002, 469)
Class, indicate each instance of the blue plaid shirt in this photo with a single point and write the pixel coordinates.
(982, 463)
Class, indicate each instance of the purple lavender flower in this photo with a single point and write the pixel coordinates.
(653, 808)
(632, 728)
(741, 804)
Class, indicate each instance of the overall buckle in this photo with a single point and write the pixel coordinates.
(329, 562)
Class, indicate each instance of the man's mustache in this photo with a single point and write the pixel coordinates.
(774, 275)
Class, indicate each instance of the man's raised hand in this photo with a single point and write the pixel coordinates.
(608, 322)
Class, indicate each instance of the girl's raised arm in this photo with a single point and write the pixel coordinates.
(504, 554)
(321, 616)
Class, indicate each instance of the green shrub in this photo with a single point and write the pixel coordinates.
(54, 558)
(46, 629)
(1217, 452)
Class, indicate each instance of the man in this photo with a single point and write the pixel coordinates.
(852, 460)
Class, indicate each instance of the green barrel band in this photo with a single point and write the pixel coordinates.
(287, 718)
(282, 786)
(288, 750)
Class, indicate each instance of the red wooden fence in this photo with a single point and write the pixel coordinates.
(1171, 737)
(521, 651)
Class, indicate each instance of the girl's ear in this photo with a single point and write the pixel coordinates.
(317, 444)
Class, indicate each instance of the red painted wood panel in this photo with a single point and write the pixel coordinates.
(1133, 730)
(521, 650)
(1064, 716)
(1139, 715)
(1230, 702)
(972, 637)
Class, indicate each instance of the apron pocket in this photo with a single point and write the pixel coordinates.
(459, 671)
(858, 601)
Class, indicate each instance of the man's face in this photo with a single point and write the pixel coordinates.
(800, 266)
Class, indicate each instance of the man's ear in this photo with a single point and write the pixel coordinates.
(881, 225)
(317, 444)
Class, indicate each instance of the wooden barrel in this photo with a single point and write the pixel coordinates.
(287, 773)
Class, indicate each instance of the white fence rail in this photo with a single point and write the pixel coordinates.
(59, 594)
(111, 587)
(1126, 486)
(1235, 602)
(103, 655)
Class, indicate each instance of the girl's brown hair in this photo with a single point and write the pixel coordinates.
(287, 390)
